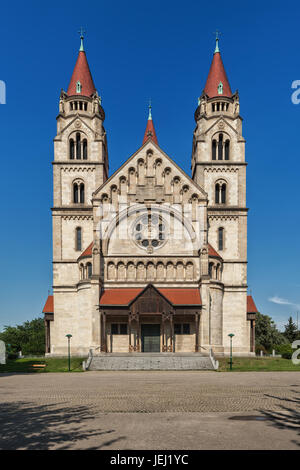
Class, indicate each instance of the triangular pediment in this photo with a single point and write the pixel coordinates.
(78, 123)
(221, 125)
(150, 171)
(150, 300)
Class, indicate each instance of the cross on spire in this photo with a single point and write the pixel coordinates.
(217, 33)
(81, 32)
(150, 108)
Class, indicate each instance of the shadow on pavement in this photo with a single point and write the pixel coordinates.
(288, 417)
(34, 427)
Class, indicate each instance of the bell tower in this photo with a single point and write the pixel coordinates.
(219, 167)
(80, 166)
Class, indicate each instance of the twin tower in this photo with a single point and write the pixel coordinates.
(196, 286)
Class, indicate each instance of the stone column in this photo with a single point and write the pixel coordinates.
(197, 332)
(163, 332)
(129, 332)
(172, 333)
(138, 334)
(103, 331)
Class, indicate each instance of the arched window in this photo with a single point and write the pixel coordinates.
(227, 149)
(89, 270)
(223, 193)
(78, 146)
(221, 238)
(214, 149)
(82, 193)
(72, 149)
(75, 193)
(78, 241)
(81, 267)
(220, 193)
(210, 269)
(84, 149)
(78, 192)
(220, 147)
(217, 194)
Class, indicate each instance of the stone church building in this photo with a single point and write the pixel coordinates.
(149, 259)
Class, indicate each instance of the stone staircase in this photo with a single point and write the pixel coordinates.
(151, 361)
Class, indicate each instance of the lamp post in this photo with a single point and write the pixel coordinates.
(69, 355)
(231, 335)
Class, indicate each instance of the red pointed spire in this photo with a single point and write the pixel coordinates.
(150, 131)
(217, 83)
(81, 82)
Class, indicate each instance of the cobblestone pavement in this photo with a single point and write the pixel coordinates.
(151, 409)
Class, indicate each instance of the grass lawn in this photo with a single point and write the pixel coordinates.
(60, 364)
(244, 364)
(53, 364)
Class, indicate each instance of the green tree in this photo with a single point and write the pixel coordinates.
(28, 337)
(291, 332)
(266, 333)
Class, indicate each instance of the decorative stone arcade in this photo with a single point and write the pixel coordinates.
(128, 328)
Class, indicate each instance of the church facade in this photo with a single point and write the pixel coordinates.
(149, 259)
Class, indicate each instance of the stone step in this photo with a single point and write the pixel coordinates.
(151, 362)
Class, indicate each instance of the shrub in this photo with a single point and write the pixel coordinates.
(12, 355)
(285, 350)
(260, 347)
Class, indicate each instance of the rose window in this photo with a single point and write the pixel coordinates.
(149, 231)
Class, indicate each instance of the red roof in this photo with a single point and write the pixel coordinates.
(118, 296)
(213, 252)
(81, 73)
(48, 308)
(251, 307)
(175, 296)
(150, 132)
(216, 75)
(182, 296)
(87, 251)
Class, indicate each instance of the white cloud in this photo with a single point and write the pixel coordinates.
(280, 301)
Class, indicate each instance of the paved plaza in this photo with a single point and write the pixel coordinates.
(150, 410)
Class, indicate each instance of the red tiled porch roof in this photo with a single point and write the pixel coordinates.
(48, 307)
(124, 296)
(182, 296)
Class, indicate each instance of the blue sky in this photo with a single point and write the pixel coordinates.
(137, 50)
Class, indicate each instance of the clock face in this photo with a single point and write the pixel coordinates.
(149, 231)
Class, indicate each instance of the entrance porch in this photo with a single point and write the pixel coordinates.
(152, 323)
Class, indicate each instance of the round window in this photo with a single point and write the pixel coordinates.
(149, 231)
